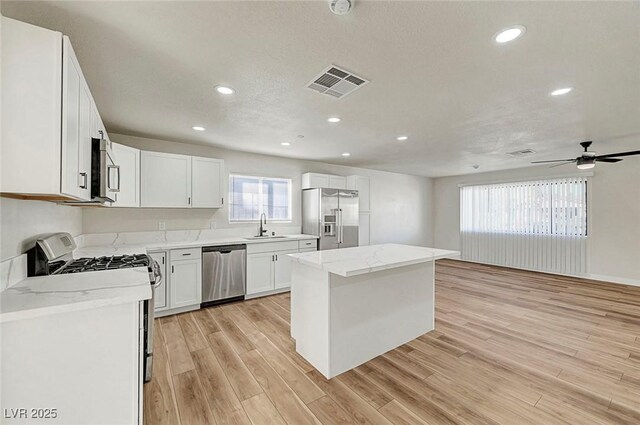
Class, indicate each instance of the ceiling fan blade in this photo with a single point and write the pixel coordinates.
(564, 163)
(609, 155)
(553, 160)
(608, 159)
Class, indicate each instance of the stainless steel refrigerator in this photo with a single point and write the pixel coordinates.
(331, 214)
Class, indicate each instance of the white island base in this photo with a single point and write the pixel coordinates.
(348, 306)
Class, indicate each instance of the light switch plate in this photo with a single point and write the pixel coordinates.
(162, 225)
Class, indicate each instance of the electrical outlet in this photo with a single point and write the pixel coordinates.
(162, 225)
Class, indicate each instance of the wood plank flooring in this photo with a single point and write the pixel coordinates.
(510, 347)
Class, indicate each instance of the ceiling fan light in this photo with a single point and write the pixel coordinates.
(586, 163)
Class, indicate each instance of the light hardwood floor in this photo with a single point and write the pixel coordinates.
(510, 347)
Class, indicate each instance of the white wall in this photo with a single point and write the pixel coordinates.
(401, 204)
(613, 220)
(22, 222)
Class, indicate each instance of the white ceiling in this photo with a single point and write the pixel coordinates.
(436, 76)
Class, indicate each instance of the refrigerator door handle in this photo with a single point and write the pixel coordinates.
(340, 224)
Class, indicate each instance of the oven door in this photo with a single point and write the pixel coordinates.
(155, 276)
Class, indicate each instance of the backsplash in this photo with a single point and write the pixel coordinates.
(143, 238)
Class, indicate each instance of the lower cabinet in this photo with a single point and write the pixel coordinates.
(181, 285)
(269, 266)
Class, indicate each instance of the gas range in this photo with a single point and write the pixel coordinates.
(53, 255)
(100, 263)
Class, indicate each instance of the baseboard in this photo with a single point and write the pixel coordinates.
(614, 279)
(590, 276)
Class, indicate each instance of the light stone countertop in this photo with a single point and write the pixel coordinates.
(355, 261)
(44, 295)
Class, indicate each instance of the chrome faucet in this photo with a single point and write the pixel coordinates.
(262, 230)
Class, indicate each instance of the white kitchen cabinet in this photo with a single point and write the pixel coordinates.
(87, 364)
(160, 294)
(362, 185)
(337, 182)
(313, 180)
(269, 266)
(259, 272)
(165, 180)
(282, 269)
(128, 159)
(47, 116)
(185, 281)
(364, 229)
(206, 184)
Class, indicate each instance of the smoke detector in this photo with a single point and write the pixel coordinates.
(340, 7)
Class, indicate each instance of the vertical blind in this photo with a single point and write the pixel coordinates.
(251, 196)
(537, 225)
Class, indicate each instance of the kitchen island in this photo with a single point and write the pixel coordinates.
(350, 305)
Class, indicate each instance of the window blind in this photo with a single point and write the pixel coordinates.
(537, 225)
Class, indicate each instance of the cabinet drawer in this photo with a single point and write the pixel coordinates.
(185, 254)
(310, 243)
(271, 246)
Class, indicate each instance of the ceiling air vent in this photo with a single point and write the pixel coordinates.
(336, 82)
(523, 152)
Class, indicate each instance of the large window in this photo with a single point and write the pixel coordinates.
(251, 196)
(536, 225)
(544, 207)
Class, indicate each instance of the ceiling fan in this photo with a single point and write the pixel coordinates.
(588, 159)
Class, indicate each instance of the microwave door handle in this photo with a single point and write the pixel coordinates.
(109, 168)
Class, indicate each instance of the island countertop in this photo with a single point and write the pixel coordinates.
(355, 261)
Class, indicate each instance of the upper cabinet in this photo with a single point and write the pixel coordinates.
(206, 182)
(180, 181)
(313, 180)
(165, 180)
(128, 159)
(48, 116)
(361, 184)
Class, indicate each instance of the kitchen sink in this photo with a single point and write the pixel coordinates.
(251, 238)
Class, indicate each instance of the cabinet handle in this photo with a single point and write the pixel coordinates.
(162, 260)
(84, 180)
(189, 200)
(184, 255)
(222, 201)
(172, 269)
(276, 257)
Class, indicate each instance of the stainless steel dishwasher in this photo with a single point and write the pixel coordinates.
(224, 271)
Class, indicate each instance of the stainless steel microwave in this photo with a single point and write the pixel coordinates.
(105, 174)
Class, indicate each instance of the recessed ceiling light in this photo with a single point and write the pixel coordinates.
(225, 90)
(509, 34)
(198, 128)
(285, 144)
(333, 119)
(560, 92)
(402, 138)
(346, 154)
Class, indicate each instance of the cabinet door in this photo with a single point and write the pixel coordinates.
(363, 231)
(160, 292)
(206, 182)
(186, 283)
(165, 180)
(75, 110)
(282, 269)
(314, 180)
(362, 185)
(260, 272)
(128, 159)
(337, 182)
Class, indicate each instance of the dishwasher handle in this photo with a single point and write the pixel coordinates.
(224, 249)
